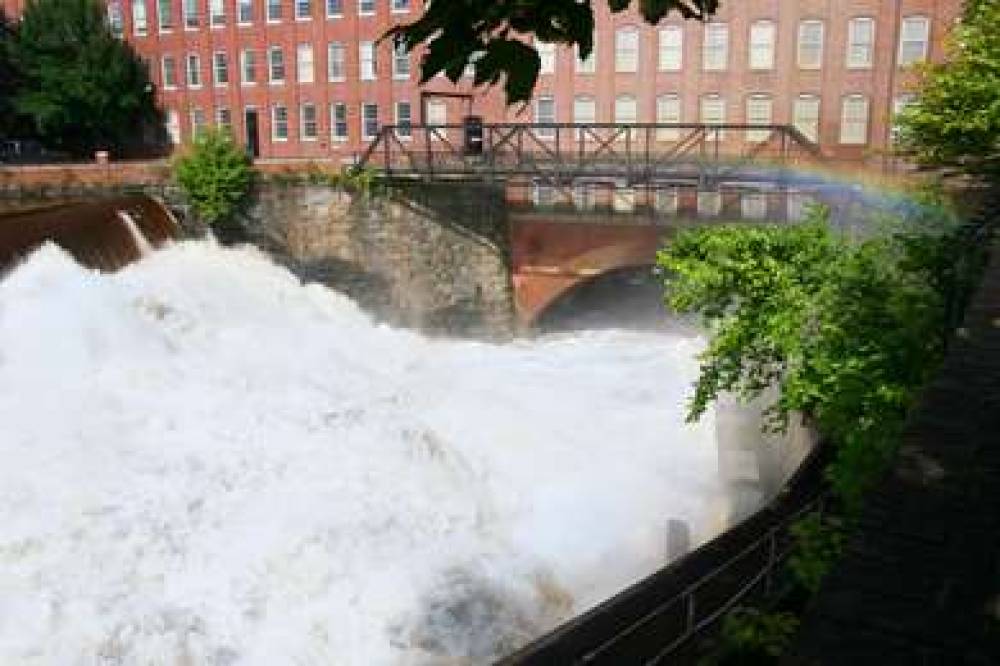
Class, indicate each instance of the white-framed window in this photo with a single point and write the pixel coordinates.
(854, 120)
(366, 51)
(668, 111)
(220, 68)
(369, 120)
(584, 197)
(116, 22)
(759, 112)
(666, 200)
(193, 66)
(543, 195)
(198, 124)
(899, 104)
(437, 115)
(713, 112)
(248, 67)
(626, 109)
(914, 34)
(709, 203)
(623, 199)
(805, 116)
(169, 71)
(190, 14)
(796, 205)
(400, 62)
(304, 63)
(244, 12)
(762, 45)
(400, 6)
(546, 57)
(336, 61)
(224, 118)
(308, 123)
(165, 18)
(275, 65)
(545, 113)
(338, 121)
(279, 122)
(671, 54)
(303, 12)
(173, 126)
(584, 112)
(334, 8)
(715, 49)
(627, 50)
(860, 43)
(810, 44)
(140, 25)
(404, 120)
(586, 65)
(366, 7)
(273, 11)
(753, 205)
(216, 13)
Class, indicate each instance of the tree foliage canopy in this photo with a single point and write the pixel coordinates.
(215, 174)
(83, 88)
(493, 35)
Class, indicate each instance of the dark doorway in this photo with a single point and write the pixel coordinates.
(253, 133)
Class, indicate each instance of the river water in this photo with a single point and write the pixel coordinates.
(206, 462)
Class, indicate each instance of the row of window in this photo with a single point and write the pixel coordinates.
(809, 53)
(192, 13)
(305, 65)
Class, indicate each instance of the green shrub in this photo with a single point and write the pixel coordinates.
(216, 175)
(751, 636)
(818, 544)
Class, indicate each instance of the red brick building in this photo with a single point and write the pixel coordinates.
(309, 78)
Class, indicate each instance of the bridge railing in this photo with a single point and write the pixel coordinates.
(561, 152)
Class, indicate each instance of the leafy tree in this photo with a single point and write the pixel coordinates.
(493, 34)
(83, 88)
(955, 121)
(8, 78)
(215, 174)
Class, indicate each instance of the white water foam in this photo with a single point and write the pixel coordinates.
(205, 462)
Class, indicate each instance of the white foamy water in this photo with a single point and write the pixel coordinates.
(205, 462)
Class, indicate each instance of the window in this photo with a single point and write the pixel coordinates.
(753, 206)
(245, 11)
(304, 63)
(668, 111)
(860, 43)
(279, 122)
(220, 68)
(627, 50)
(623, 200)
(139, 25)
(366, 7)
(762, 45)
(584, 197)
(276, 65)
(369, 120)
(335, 62)
(715, 50)
(671, 48)
(713, 112)
(164, 12)
(224, 119)
(626, 109)
(173, 126)
(367, 54)
(404, 120)
(437, 115)
(115, 20)
(338, 121)
(709, 203)
(584, 112)
(400, 62)
(854, 120)
(899, 105)
(190, 14)
(810, 50)
(543, 195)
(273, 11)
(547, 56)
(587, 65)
(169, 66)
(805, 116)
(197, 123)
(308, 126)
(216, 13)
(796, 205)
(248, 63)
(759, 109)
(334, 8)
(193, 70)
(303, 11)
(400, 6)
(913, 36)
(665, 201)
(545, 113)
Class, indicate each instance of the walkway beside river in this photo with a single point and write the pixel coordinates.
(920, 581)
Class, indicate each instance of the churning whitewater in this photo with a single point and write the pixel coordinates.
(207, 462)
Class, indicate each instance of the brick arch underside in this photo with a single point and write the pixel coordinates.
(550, 259)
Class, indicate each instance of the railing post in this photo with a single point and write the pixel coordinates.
(385, 142)
(689, 620)
(771, 553)
(628, 154)
(427, 150)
